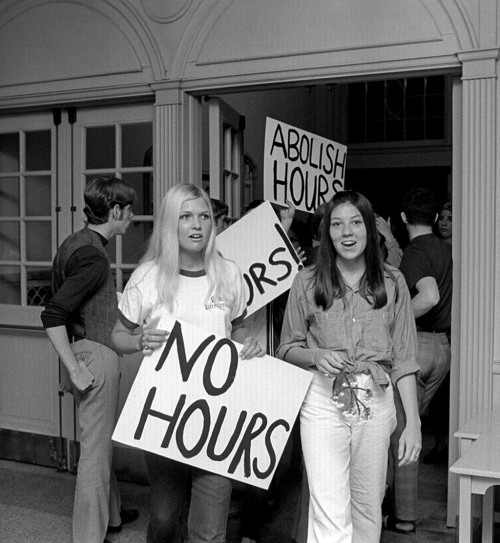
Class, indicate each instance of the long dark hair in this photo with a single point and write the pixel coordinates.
(328, 282)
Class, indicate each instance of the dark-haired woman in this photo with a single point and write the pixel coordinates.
(349, 321)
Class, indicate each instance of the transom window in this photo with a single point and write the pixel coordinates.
(397, 110)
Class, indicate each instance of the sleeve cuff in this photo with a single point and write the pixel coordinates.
(238, 321)
(126, 322)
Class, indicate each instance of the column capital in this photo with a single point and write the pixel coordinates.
(167, 94)
(479, 63)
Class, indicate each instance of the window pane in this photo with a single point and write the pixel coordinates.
(356, 132)
(38, 195)
(38, 241)
(143, 185)
(38, 150)
(134, 241)
(415, 107)
(10, 281)
(100, 146)
(435, 85)
(376, 90)
(416, 102)
(375, 110)
(357, 91)
(375, 131)
(9, 196)
(137, 145)
(414, 129)
(9, 241)
(9, 153)
(395, 130)
(434, 106)
(434, 129)
(38, 287)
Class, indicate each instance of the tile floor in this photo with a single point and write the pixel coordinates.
(36, 504)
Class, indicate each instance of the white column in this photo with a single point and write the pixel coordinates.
(478, 225)
(177, 147)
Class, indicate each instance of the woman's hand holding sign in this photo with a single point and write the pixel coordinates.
(152, 338)
(145, 338)
(251, 348)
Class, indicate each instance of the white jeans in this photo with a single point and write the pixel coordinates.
(346, 463)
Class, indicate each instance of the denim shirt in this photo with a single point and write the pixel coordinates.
(364, 337)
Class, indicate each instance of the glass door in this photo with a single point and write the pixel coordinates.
(27, 215)
(45, 161)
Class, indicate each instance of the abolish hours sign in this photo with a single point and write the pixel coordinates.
(195, 401)
(264, 254)
(301, 167)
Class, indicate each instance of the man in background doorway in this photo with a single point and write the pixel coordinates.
(428, 268)
(78, 320)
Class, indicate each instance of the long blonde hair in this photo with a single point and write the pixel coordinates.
(163, 248)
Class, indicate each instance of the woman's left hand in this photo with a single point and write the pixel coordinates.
(410, 445)
(251, 348)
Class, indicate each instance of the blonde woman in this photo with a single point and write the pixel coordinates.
(184, 276)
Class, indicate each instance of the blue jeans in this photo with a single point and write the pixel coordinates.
(171, 482)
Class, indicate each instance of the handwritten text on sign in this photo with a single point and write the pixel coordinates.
(196, 402)
(264, 254)
(301, 167)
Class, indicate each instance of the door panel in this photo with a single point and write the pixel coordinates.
(226, 155)
(27, 216)
(45, 161)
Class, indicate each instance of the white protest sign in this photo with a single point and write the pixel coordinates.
(196, 402)
(301, 167)
(264, 254)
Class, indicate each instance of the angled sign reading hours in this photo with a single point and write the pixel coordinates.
(196, 402)
(301, 167)
(264, 254)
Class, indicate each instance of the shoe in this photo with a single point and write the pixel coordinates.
(128, 516)
(437, 456)
(393, 524)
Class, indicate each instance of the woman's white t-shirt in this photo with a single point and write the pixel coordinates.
(140, 302)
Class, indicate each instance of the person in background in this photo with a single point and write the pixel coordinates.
(182, 270)
(439, 407)
(78, 320)
(220, 211)
(428, 269)
(348, 320)
(444, 223)
(391, 252)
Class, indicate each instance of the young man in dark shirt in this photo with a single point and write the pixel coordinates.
(428, 269)
(78, 320)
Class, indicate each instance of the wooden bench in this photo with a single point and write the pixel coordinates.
(478, 469)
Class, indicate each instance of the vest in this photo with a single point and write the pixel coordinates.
(96, 316)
